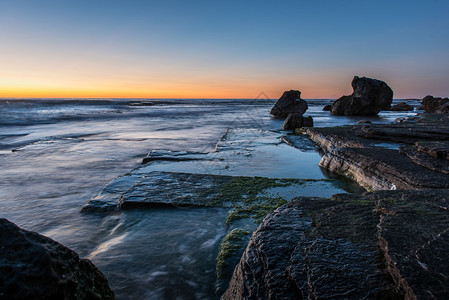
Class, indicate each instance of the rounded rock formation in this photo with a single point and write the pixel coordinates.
(33, 266)
(435, 105)
(370, 96)
(290, 102)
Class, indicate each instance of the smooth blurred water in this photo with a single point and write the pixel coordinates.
(57, 154)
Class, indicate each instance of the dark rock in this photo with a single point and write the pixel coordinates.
(290, 102)
(401, 106)
(327, 107)
(308, 122)
(294, 121)
(364, 122)
(405, 132)
(369, 97)
(35, 267)
(175, 189)
(437, 149)
(300, 142)
(381, 245)
(367, 155)
(382, 169)
(172, 156)
(425, 160)
(435, 105)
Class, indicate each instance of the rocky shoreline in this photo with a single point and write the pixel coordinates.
(388, 157)
(385, 244)
(390, 243)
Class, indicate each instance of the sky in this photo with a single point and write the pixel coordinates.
(221, 49)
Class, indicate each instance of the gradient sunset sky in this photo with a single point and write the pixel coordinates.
(221, 49)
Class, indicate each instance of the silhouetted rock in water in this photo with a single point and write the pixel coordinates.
(290, 102)
(35, 267)
(364, 122)
(369, 97)
(401, 106)
(376, 157)
(380, 245)
(294, 121)
(435, 105)
(327, 107)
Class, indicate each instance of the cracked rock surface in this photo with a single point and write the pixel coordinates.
(408, 155)
(385, 244)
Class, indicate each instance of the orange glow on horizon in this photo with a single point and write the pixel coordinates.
(250, 91)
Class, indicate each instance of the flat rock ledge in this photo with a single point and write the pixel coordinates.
(33, 266)
(407, 155)
(378, 245)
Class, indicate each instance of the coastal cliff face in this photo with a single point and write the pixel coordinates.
(386, 244)
(35, 267)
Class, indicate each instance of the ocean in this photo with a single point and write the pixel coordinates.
(57, 154)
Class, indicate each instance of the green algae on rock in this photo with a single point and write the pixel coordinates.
(230, 244)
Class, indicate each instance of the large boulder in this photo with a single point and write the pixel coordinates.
(435, 105)
(290, 102)
(294, 121)
(35, 267)
(369, 97)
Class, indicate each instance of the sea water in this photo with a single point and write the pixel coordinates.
(56, 154)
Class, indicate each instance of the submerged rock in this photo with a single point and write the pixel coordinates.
(369, 97)
(377, 245)
(401, 106)
(35, 267)
(172, 156)
(294, 121)
(290, 102)
(364, 122)
(435, 105)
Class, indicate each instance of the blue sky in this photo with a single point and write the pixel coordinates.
(221, 48)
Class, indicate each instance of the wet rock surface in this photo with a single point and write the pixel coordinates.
(385, 244)
(189, 178)
(294, 121)
(424, 159)
(407, 155)
(289, 103)
(435, 105)
(327, 107)
(401, 106)
(437, 149)
(370, 96)
(172, 156)
(35, 267)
